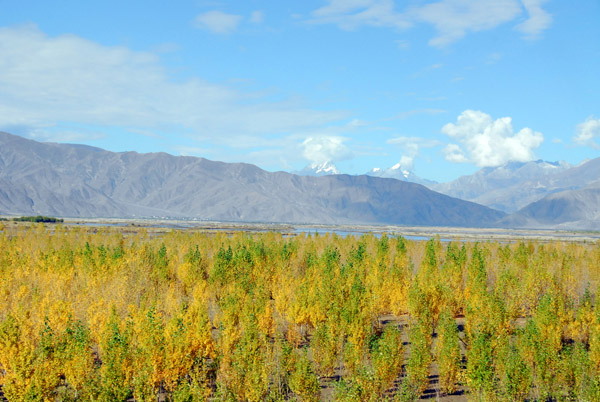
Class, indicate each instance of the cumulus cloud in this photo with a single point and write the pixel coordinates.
(538, 20)
(455, 154)
(488, 142)
(452, 19)
(406, 163)
(320, 149)
(51, 81)
(587, 132)
(218, 22)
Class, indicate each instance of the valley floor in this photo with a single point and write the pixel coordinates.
(409, 232)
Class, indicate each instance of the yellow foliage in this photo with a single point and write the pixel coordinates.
(183, 311)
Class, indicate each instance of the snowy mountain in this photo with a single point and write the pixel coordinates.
(319, 169)
(399, 173)
(509, 187)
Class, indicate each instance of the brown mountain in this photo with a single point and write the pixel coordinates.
(81, 181)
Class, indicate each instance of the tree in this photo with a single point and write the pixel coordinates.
(303, 380)
(448, 353)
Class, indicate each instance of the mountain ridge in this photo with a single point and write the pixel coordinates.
(509, 187)
(72, 181)
(578, 208)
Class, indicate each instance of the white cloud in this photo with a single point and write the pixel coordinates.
(410, 148)
(414, 143)
(406, 163)
(538, 20)
(351, 14)
(257, 17)
(65, 134)
(356, 123)
(452, 19)
(489, 142)
(51, 81)
(587, 132)
(218, 22)
(455, 154)
(322, 149)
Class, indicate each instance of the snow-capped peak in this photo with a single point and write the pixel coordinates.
(398, 172)
(324, 168)
(398, 167)
(319, 169)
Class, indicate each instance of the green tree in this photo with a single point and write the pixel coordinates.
(303, 380)
(448, 353)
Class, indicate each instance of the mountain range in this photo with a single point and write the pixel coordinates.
(536, 194)
(571, 200)
(80, 181)
(508, 187)
(70, 180)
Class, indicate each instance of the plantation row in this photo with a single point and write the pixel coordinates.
(186, 316)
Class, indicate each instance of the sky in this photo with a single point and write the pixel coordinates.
(443, 87)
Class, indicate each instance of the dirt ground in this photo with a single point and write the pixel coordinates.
(158, 226)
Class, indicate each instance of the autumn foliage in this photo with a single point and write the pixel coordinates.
(100, 315)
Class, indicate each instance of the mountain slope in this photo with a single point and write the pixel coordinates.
(80, 181)
(512, 186)
(571, 209)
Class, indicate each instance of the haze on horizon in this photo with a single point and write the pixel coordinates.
(441, 88)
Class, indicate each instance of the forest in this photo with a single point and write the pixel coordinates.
(96, 314)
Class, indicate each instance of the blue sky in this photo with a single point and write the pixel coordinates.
(444, 87)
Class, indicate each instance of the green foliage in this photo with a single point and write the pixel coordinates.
(417, 364)
(480, 367)
(576, 376)
(448, 353)
(303, 380)
(387, 358)
(430, 257)
(116, 357)
(542, 360)
(38, 219)
(401, 245)
(221, 272)
(514, 375)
